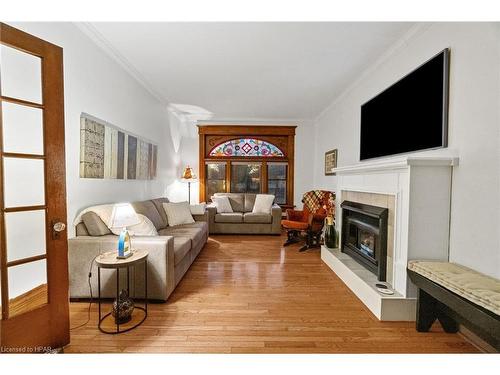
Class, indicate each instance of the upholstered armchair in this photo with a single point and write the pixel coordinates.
(309, 220)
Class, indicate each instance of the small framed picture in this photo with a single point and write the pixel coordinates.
(330, 162)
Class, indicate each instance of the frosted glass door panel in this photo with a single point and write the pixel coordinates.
(25, 234)
(21, 75)
(28, 277)
(22, 129)
(23, 182)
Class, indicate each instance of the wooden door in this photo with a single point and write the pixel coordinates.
(33, 239)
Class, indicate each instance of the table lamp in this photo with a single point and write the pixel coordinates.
(124, 216)
(188, 176)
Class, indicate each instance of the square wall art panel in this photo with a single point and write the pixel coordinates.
(107, 151)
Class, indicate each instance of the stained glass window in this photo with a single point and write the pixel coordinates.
(247, 147)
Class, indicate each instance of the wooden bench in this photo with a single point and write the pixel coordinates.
(446, 294)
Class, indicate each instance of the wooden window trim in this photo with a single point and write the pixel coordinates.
(278, 179)
(286, 134)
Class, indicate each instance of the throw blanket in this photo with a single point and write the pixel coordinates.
(105, 211)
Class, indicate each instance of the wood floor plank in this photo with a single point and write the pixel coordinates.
(248, 294)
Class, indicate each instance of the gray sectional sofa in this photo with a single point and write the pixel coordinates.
(242, 220)
(170, 254)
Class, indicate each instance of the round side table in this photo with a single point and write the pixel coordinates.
(108, 260)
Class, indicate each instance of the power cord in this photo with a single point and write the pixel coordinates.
(91, 295)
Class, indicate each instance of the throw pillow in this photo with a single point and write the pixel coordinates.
(222, 204)
(144, 228)
(158, 202)
(263, 204)
(178, 213)
(95, 226)
(198, 209)
(148, 209)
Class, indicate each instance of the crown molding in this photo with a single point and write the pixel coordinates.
(90, 31)
(415, 31)
(253, 121)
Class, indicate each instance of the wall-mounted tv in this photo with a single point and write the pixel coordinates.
(411, 115)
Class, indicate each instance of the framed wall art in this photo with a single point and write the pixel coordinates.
(330, 162)
(107, 151)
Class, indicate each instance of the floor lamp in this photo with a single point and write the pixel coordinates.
(189, 177)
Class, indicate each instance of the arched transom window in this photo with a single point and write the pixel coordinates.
(243, 147)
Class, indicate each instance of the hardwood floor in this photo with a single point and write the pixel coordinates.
(247, 294)
(28, 301)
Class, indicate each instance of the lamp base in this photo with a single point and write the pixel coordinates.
(124, 256)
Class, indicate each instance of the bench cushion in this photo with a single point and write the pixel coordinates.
(478, 288)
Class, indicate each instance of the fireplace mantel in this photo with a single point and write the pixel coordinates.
(420, 187)
(397, 163)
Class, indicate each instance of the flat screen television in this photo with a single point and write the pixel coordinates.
(411, 115)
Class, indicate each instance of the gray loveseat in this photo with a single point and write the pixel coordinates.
(242, 220)
(170, 254)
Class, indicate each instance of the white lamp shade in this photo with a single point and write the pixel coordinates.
(124, 216)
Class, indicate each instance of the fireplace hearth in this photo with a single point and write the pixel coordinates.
(364, 235)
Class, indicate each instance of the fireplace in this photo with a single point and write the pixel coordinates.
(364, 235)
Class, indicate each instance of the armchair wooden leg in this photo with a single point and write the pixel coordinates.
(292, 237)
(310, 242)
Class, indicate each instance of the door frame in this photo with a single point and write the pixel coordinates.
(48, 325)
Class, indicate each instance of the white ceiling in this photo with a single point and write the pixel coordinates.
(248, 70)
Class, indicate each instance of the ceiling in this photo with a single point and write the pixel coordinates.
(248, 70)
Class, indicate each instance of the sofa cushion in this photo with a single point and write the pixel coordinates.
(182, 245)
(222, 204)
(148, 209)
(249, 202)
(81, 230)
(195, 233)
(198, 209)
(203, 225)
(250, 217)
(158, 202)
(235, 217)
(95, 226)
(178, 213)
(291, 224)
(263, 204)
(236, 200)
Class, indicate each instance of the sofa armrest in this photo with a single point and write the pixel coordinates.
(203, 217)
(211, 211)
(83, 250)
(276, 213)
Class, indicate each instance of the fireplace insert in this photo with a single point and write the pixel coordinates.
(364, 235)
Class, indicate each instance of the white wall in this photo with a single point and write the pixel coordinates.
(474, 129)
(304, 156)
(96, 84)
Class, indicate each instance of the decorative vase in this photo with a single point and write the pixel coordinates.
(330, 233)
(126, 306)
